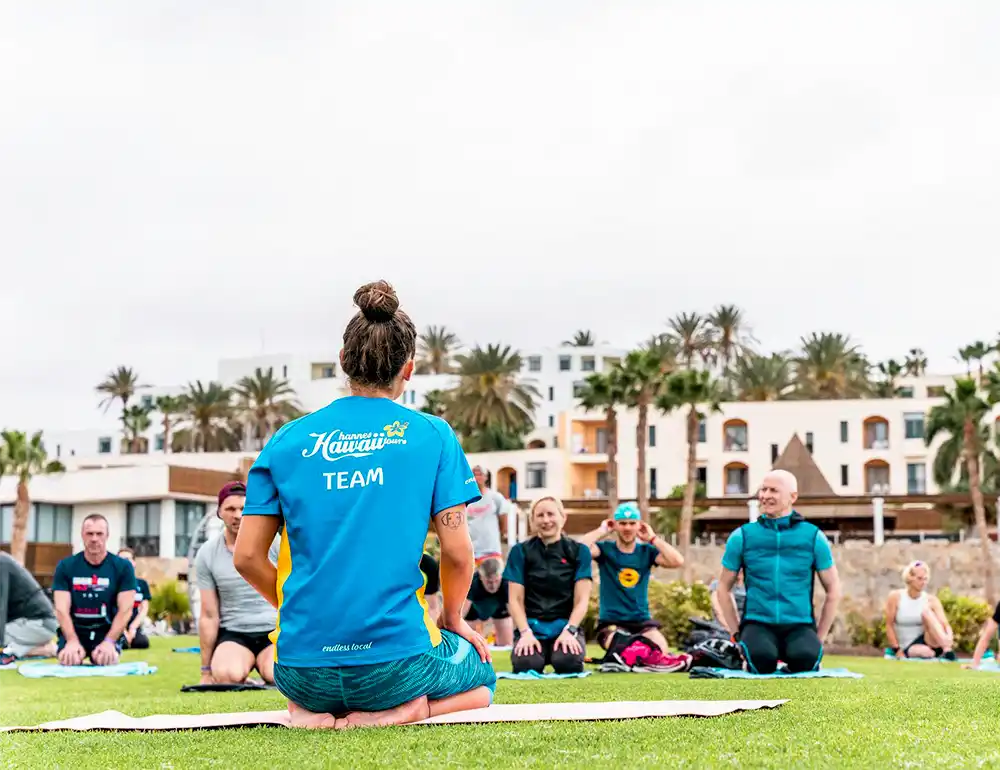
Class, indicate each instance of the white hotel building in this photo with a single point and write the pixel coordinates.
(153, 501)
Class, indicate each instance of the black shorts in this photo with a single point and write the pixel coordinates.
(255, 642)
(89, 641)
(919, 640)
(499, 613)
(631, 627)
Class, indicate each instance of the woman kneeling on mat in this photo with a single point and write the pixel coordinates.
(915, 623)
(355, 484)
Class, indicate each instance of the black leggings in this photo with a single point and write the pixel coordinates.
(764, 645)
(562, 662)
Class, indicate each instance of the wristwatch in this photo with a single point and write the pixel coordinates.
(574, 630)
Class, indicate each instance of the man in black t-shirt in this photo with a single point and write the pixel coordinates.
(487, 600)
(985, 637)
(135, 639)
(94, 594)
(27, 619)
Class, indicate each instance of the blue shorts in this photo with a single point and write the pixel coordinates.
(451, 668)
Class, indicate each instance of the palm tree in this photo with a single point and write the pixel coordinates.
(24, 458)
(208, 411)
(886, 387)
(758, 377)
(916, 363)
(436, 403)
(265, 403)
(490, 393)
(730, 334)
(694, 336)
(604, 390)
(135, 421)
(583, 338)
(641, 375)
(830, 366)
(436, 347)
(120, 384)
(961, 418)
(975, 353)
(169, 407)
(700, 394)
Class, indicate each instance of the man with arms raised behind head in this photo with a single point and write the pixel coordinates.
(94, 592)
(235, 621)
(779, 554)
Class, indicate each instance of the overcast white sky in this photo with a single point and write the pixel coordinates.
(179, 184)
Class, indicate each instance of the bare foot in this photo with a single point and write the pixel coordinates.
(308, 720)
(413, 711)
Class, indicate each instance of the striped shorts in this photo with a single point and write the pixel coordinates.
(451, 668)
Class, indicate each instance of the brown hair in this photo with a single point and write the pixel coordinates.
(95, 517)
(380, 338)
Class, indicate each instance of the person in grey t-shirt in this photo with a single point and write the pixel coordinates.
(235, 621)
(487, 520)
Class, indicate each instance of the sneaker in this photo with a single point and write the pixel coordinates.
(6, 658)
(664, 663)
(614, 666)
(950, 656)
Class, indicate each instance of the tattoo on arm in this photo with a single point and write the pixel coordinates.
(453, 519)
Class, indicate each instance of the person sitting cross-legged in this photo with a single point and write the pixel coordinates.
(624, 565)
(915, 623)
(487, 600)
(549, 581)
(28, 622)
(780, 554)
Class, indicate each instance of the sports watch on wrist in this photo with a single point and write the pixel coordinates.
(574, 630)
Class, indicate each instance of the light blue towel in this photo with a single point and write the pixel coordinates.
(39, 670)
(833, 673)
(187, 649)
(526, 675)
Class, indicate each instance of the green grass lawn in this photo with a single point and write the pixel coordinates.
(900, 714)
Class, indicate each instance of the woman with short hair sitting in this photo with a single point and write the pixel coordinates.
(915, 623)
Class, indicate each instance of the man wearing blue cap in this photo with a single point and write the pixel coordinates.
(625, 566)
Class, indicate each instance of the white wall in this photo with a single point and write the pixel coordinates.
(555, 469)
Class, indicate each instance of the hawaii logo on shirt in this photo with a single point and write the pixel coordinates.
(336, 445)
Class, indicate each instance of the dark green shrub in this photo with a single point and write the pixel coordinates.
(966, 616)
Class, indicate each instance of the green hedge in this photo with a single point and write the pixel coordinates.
(673, 604)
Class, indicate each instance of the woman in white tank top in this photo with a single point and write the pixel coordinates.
(915, 623)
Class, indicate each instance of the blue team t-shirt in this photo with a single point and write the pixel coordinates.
(357, 483)
(93, 591)
(625, 581)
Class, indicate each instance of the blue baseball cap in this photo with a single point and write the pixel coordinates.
(627, 512)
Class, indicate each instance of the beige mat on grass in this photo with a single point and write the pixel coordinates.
(504, 712)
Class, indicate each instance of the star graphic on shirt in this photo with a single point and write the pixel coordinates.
(397, 428)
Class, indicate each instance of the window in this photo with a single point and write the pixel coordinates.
(104, 445)
(565, 363)
(284, 371)
(702, 432)
(876, 433)
(652, 435)
(146, 402)
(843, 475)
(936, 391)
(588, 364)
(602, 482)
(46, 523)
(652, 482)
(703, 476)
(58, 450)
(905, 392)
(187, 515)
(534, 363)
(809, 442)
(578, 388)
(916, 479)
(552, 393)
(914, 424)
(536, 475)
(159, 442)
(735, 436)
(737, 479)
(328, 372)
(774, 453)
(552, 421)
(843, 431)
(601, 440)
(142, 528)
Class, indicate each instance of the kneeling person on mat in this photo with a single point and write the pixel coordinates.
(135, 639)
(487, 600)
(28, 622)
(625, 566)
(235, 621)
(549, 581)
(779, 554)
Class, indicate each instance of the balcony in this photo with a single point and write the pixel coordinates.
(588, 442)
(877, 479)
(876, 433)
(735, 436)
(589, 483)
(736, 479)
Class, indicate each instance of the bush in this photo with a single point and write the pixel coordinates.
(169, 602)
(966, 616)
(673, 604)
(866, 633)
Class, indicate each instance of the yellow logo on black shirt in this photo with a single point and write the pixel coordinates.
(628, 577)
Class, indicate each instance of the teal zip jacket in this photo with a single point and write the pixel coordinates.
(779, 558)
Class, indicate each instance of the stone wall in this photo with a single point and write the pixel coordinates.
(868, 572)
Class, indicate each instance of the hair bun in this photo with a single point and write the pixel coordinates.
(378, 301)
